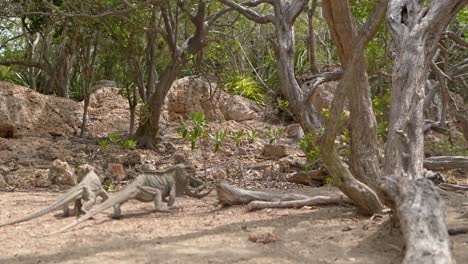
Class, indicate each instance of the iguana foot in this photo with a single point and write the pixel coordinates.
(170, 209)
(176, 208)
(115, 217)
(62, 215)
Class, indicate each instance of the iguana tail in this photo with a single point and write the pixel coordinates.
(121, 197)
(70, 196)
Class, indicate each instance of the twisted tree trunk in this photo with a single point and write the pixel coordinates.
(416, 32)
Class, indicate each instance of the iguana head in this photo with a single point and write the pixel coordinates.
(185, 180)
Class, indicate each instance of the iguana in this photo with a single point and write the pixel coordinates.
(150, 187)
(87, 190)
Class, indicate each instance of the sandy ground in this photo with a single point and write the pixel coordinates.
(202, 233)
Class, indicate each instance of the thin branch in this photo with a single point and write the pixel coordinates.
(56, 11)
(372, 23)
(249, 13)
(10, 39)
(22, 63)
(320, 79)
(457, 39)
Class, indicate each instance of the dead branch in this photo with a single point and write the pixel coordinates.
(448, 186)
(458, 230)
(230, 195)
(457, 39)
(310, 178)
(446, 163)
(314, 201)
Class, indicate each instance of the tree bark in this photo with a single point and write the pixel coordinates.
(311, 38)
(446, 163)
(351, 45)
(148, 130)
(416, 32)
(283, 18)
(230, 195)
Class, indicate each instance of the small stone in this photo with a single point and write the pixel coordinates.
(264, 238)
(275, 151)
(3, 183)
(61, 173)
(116, 171)
(346, 228)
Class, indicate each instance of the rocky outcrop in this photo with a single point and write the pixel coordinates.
(190, 94)
(32, 113)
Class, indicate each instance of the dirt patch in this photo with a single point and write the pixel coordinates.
(205, 233)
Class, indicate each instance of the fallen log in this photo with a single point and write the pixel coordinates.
(458, 230)
(309, 178)
(314, 201)
(448, 186)
(446, 163)
(255, 200)
(230, 195)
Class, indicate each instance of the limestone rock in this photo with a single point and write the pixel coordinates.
(7, 130)
(294, 131)
(62, 174)
(3, 183)
(116, 171)
(42, 178)
(239, 108)
(191, 94)
(275, 151)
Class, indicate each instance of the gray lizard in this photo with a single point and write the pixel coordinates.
(150, 187)
(87, 190)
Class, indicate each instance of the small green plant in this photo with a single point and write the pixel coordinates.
(218, 139)
(244, 85)
(109, 185)
(252, 135)
(445, 147)
(329, 181)
(128, 143)
(103, 143)
(345, 136)
(237, 137)
(273, 134)
(114, 138)
(194, 131)
(382, 108)
(311, 149)
(325, 112)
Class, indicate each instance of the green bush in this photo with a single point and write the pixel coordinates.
(244, 85)
(311, 149)
(446, 148)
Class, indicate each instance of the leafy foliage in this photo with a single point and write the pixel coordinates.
(448, 148)
(311, 149)
(273, 134)
(244, 85)
(381, 110)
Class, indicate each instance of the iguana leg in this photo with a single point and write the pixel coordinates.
(90, 201)
(103, 194)
(117, 212)
(78, 207)
(66, 211)
(158, 199)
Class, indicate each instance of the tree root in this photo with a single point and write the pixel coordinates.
(313, 201)
(255, 200)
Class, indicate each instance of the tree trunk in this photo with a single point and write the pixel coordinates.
(364, 163)
(416, 32)
(148, 132)
(311, 38)
(151, 56)
(303, 111)
(84, 121)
